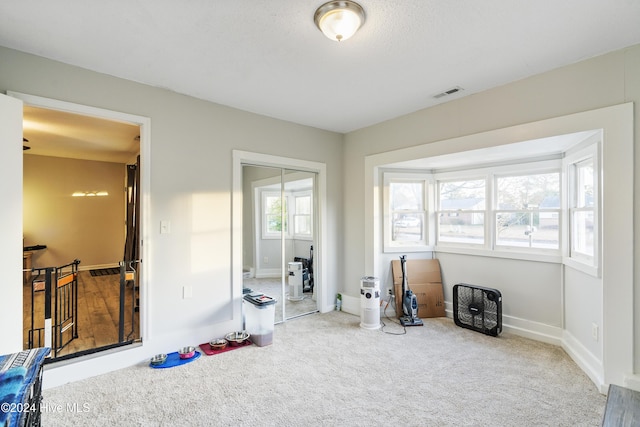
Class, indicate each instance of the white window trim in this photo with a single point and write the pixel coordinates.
(531, 168)
(587, 149)
(293, 214)
(390, 246)
(466, 175)
(587, 264)
(264, 193)
(489, 247)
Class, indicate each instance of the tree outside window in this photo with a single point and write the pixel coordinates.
(528, 210)
(461, 212)
(275, 210)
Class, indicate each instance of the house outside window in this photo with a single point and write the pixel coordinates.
(405, 211)
(527, 211)
(461, 211)
(544, 210)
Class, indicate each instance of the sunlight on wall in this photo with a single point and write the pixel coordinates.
(210, 240)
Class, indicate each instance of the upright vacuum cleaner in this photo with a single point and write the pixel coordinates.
(409, 300)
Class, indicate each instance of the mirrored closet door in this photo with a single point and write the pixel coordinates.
(279, 231)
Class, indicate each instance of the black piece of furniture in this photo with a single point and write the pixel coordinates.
(34, 248)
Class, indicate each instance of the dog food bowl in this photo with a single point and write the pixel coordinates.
(218, 344)
(187, 352)
(158, 359)
(237, 338)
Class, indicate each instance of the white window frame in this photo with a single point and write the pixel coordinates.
(527, 169)
(489, 247)
(473, 175)
(294, 214)
(578, 260)
(266, 234)
(389, 244)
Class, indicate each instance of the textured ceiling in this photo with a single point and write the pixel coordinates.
(62, 134)
(267, 56)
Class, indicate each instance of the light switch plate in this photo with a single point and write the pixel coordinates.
(165, 227)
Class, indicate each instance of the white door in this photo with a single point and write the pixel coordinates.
(11, 224)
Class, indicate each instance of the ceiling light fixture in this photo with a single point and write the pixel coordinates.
(89, 193)
(339, 20)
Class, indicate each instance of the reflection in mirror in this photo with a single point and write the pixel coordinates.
(300, 286)
(278, 237)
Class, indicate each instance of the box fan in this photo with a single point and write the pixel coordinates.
(477, 308)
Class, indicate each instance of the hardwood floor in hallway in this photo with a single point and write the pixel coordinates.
(98, 311)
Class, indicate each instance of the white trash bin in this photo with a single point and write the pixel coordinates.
(370, 302)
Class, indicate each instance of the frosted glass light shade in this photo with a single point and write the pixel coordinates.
(339, 20)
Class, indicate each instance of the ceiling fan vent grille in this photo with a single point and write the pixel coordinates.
(448, 92)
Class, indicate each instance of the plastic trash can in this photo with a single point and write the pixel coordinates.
(260, 318)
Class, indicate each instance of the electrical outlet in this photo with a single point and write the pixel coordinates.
(389, 292)
(265, 260)
(594, 331)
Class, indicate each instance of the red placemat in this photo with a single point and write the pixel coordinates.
(206, 348)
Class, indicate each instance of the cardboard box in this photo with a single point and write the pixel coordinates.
(425, 280)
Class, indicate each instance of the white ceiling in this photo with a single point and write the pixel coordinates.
(62, 134)
(267, 56)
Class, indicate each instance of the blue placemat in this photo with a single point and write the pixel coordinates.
(173, 359)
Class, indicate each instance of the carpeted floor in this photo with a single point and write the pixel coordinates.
(324, 370)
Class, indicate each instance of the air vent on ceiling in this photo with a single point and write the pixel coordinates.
(448, 92)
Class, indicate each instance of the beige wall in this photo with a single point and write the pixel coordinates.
(90, 229)
(196, 138)
(599, 82)
(190, 185)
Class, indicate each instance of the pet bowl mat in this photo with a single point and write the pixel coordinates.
(206, 347)
(173, 359)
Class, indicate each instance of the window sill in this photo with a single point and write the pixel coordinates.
(535, 257)
(408, 248)
(580, 266)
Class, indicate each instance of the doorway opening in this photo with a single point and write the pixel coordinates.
(83, 282)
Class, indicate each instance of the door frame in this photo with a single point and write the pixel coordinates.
(145, 150)
(11, 113)
(241, 158)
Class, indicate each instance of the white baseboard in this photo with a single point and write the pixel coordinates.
(248, 272)
(524, 328)
(351, 305)
(96, 267)
(632, 381)
(585, 360)
(265, 273)
(532, 330)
